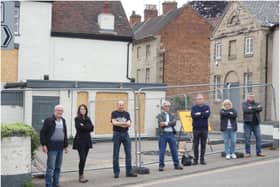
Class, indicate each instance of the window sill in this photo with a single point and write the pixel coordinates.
(248, 55)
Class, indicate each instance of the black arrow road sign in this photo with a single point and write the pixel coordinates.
(6, 36)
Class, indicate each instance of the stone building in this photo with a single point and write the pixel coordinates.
(241, 52)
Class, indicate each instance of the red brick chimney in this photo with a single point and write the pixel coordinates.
(134, 18)
(106, 7)
(150, 11)
(168, 5)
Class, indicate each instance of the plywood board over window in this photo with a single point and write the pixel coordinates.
(82, 98)
(105, 103)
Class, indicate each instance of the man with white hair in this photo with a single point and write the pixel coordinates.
(167, 123)
(53, 138)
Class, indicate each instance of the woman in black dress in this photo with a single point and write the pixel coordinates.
(82, 140)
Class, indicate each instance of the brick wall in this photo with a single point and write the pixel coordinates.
(187, 45)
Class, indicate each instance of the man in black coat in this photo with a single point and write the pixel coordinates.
(53, 138)
(251, 117)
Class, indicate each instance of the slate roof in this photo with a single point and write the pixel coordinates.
(79, 19)
(265, 12)
(208, 10)
(153, 25)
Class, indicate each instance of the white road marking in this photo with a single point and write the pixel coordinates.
(160, 181)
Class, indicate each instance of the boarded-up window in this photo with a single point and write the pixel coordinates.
(82, 98)
(105, 103)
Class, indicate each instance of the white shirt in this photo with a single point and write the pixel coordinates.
(167, 129)
(229, 126)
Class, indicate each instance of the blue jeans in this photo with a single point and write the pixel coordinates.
(248, 129)
(168, 137)
(54, 162)
(118, 138)
(229, 141)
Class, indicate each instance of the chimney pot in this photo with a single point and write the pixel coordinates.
(134, 18)
(168, 5)
(150, 11)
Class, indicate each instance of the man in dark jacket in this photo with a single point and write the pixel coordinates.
(167, 123)
(53, 138)
(200, 114)
(251, 117)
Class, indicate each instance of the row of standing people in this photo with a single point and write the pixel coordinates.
(53, 135)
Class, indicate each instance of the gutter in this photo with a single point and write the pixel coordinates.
(15, 85)
(132, 80)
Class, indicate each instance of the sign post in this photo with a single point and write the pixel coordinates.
(7, 24)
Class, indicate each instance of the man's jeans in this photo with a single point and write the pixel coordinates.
(229, 141)
(168, 137)
(248, 129)
(118, 138)
(54, 162)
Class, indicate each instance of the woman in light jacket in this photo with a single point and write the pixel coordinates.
(82, 140)
(228, 117)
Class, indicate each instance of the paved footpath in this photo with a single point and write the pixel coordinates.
(99, 165)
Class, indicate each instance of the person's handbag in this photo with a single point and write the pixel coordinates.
(187, 160)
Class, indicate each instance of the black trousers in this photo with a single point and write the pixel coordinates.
(83, 152)
(199, 136)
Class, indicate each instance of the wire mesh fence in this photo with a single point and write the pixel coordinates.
(32, 106)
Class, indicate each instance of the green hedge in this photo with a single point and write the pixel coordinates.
(20, 129)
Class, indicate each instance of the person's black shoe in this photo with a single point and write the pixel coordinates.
(160, 168)
(195, 162)
(116, 175)
(132, 175)
(202, 162)
(178, 167)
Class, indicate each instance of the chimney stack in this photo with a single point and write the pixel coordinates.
(168, 5)
(150, 11)
(134, 18)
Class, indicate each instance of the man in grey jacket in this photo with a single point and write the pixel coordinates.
(167, 122)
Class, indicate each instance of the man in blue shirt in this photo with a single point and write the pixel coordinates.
(200, 114)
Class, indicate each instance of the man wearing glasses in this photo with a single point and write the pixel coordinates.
(167, 122)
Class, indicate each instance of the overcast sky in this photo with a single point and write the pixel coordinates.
(138, 5)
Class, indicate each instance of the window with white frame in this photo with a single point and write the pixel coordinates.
(249, 46)
(217, 88)
(247, 83)
(147, 77)
(218, 51)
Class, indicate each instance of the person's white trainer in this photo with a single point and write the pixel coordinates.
(233, 156)
(228, 157)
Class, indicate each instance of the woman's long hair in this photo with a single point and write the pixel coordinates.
(79, 115)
